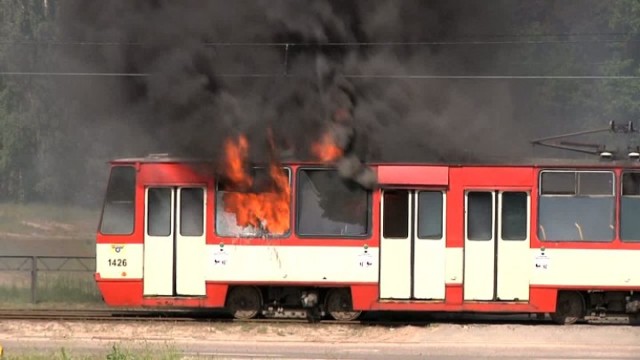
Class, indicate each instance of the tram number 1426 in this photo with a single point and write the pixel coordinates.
(118, 262)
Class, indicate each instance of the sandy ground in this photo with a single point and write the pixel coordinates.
(189, 332)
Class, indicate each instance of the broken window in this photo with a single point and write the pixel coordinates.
(329, 205)
(576, 206)
(630, 207)
(260, 207)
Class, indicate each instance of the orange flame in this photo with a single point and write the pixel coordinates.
(269, 210)
(326, 149)
(236, 157)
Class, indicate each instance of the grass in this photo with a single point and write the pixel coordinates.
(52, 287)
(115, 352)
(44, 220)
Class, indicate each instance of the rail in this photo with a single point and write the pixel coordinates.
(37, 264)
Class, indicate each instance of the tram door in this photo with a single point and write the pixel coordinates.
(496, 245)
(412, 245)
(174, 241)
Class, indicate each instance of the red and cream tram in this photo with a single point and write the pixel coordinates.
(562, 239)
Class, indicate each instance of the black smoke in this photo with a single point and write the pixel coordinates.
(210, 70)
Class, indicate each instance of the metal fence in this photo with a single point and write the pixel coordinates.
(65, 277)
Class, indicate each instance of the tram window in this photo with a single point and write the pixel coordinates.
(331, 206)
(430, 214)
(395, 215)
(159, 211)
(514, 215)
(558, 183)
(631, 184)
(236, 207)
(479, 216)
(595, 183)
(191, 211)
(587, 214)
(630, 207)
(118, 211)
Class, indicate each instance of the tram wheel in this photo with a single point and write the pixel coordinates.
(570, 308)
(244, 302)
(340, 305)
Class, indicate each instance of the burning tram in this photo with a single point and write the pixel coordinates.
(297, 238)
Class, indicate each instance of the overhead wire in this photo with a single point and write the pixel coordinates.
(620, 37)
(349, 76)
(287, 45)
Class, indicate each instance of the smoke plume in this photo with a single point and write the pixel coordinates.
(210, 70)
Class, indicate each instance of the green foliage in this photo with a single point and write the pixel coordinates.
(52, 287)
(118, 354)
(22, 105)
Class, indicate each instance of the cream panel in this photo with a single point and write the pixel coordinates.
(395, 274)
(429, 269)
(429, 258)
(585, 267)
(292, 264)
(453, 265)
(158, 257)
(190, 257)
(119, 261)
(479, 261)
(513, 270)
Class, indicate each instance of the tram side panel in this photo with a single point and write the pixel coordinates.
(119, 247)
(140, 265)
(331, 241)
(586, 238)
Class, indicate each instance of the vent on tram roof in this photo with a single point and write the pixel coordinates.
(158, 155)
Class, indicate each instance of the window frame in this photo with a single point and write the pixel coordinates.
(410, 222)
(443, 209)
(244, 236)
(369, 193)
(493, 228)
(500, 228)
(172, 210)
(614, 194)
(179, 215)
(134, 201)
(576, 194)
(619, 203)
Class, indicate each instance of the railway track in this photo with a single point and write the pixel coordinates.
(139, 315)
(220, 317)
(87, 314)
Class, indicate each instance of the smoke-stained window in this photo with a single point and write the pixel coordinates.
(119, 205)
(430, 213)
(630, 207)
(191, 211)
(576, 206)
(514, 215)
(331, 206)
(479, 215)
(395, 215)
(259, 207)
(159, 209)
